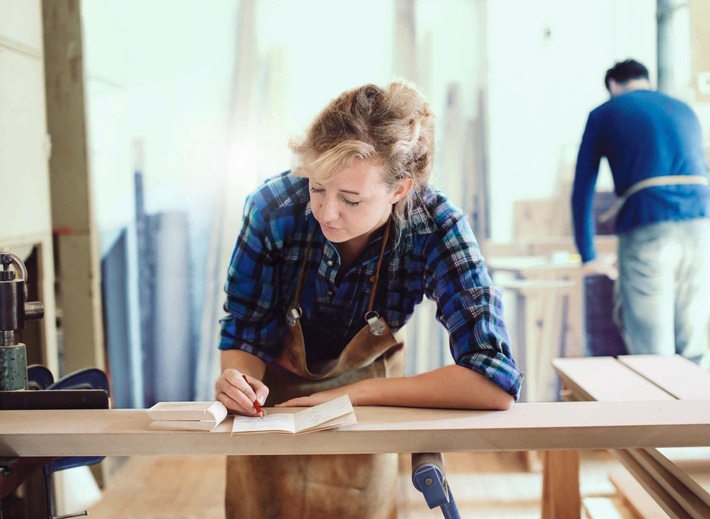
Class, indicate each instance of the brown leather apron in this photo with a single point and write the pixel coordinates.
(321, 486)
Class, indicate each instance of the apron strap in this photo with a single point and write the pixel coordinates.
(295, 307)
(302, 275)
(374, 279)
(668, 180)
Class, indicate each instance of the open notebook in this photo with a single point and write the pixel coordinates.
(205, 416)
(334, 413)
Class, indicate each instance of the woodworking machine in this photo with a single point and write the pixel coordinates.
(34, 387)
(14, 310)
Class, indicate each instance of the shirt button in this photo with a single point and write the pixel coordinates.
(330, 263)
(330, 293)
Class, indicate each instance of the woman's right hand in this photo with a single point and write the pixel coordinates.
(238, 393)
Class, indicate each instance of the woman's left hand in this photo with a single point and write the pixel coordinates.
(318, 398)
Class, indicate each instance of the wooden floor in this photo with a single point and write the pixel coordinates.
(484, 485)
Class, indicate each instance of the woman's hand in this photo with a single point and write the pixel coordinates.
(319, 398)
(238, 394)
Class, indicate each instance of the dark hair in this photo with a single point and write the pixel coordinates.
(625, 71)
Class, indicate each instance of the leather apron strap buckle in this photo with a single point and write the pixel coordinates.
(294, 314)
(377, 327)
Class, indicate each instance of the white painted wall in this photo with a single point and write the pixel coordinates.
(159, 73)
(547, 61)
(23, 130)
(24, 152)
(167, 73)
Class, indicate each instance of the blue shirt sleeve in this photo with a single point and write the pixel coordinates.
(469, 306)
(252, 322)
(585, 179)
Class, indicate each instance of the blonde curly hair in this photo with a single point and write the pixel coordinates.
(391, 126)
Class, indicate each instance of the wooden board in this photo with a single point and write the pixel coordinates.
(535, 426)
(680, 377)
(689, 465)
(606, 379)
(672, 508)
(635, 496)
(675, 488)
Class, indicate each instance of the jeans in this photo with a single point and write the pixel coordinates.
(663, 289)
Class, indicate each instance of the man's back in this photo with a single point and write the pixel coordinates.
(645, 133)
(642, 133)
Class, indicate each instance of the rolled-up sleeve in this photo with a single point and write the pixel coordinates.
(469, 306)
(252, 323)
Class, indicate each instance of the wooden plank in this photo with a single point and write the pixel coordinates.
(677, 375)
(78, 270)
(606, 379)
(669, 505)
(635, 496)
(689, 465)
(529, 266)
(535, 426)
(675, 488)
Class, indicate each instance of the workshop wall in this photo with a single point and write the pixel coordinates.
(189, 105)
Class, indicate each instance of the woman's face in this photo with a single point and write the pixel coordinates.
(354, 203)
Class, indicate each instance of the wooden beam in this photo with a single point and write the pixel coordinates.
(560, 485)
(78, 274)
(534, 426)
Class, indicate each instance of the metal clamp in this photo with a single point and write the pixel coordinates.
(428, 477)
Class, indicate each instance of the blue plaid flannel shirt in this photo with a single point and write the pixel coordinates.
(437, 256)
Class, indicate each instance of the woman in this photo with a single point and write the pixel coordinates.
(330, 263)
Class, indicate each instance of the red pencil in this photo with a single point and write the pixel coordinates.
(256, 402)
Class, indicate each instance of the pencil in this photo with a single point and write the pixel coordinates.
(256, 402)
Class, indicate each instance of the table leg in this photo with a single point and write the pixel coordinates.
(560, 485)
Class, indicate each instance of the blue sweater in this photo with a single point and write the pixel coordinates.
(643, 134)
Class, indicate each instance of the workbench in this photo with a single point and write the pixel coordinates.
(533, 426)
(545, 426)
(678, 479)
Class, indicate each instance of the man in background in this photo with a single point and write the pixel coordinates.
(654, 147)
